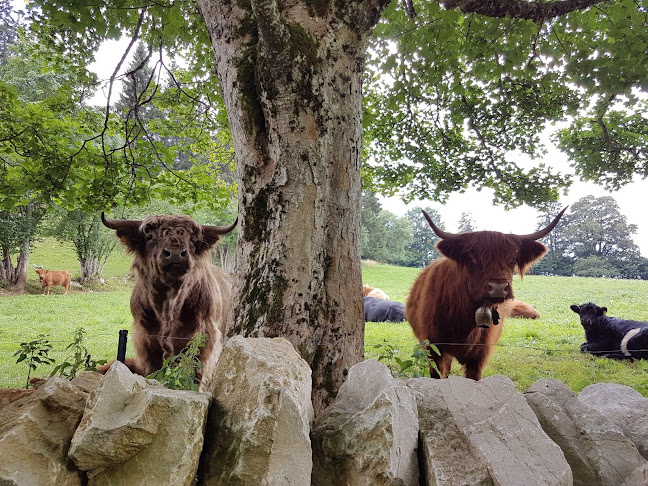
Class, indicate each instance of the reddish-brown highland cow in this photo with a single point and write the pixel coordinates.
(54, 277)
(178, 292)
(476, 272)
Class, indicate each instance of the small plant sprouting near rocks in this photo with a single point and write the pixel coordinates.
(80, 360)
(179, 372)
(417, 365)
(34, 353)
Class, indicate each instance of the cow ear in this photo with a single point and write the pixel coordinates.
(211, 234)
(132, 239)
(575, 308)
(530, 251)
(205, 243)
(451, 248)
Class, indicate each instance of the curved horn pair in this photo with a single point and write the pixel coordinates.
(116, 224)
(533, 236)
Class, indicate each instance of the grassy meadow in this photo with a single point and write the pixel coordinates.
(529, 350)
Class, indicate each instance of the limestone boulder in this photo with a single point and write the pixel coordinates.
(483, 433)
(624, 406)
(259, 424)
(597, 450)
(136, 428)
(639, 477)
(36, 430)
(369, 435)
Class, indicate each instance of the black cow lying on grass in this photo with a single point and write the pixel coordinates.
(381, 310)
(611, 337)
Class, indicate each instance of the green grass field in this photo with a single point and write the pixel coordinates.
(529, 349)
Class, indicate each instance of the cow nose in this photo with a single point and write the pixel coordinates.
(174, 255)
(498, 290)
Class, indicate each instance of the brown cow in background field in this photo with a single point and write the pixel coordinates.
(476, 274)
(54, 277)
(369, 291)
(517, 308)
(178, 292)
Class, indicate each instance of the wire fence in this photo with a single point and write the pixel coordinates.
(546, 362)
(396, 344)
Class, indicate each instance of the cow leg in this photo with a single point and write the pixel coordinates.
(443, 362)
(473, 370)
(148, 355)
(475, 364)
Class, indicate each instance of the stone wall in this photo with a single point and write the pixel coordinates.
(256, 427)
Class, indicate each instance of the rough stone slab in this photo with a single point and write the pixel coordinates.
(597, 450)
(484, 433)
(259, 425)
(136, 428)
(369, 435)
(639, 477)
(35, 434)
(624, 406)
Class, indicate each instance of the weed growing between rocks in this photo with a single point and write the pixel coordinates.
(416, 365)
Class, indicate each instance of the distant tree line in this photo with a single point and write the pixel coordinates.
(593, 239)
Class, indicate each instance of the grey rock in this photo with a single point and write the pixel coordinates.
(483, 433)
(36, 431)
(259, 425)
(136, 428)
(369, 435)
(624, 406)
(596, 449)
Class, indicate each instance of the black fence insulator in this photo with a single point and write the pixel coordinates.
(121, 347)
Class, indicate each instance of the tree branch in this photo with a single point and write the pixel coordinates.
(520, 9)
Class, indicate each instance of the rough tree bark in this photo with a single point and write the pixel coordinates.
(291, 75)
(17, 276)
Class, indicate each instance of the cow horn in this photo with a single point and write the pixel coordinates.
(220, 230)
(544, 232)
(439, 232)
(120, 223)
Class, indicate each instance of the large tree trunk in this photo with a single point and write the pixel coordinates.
(89, 268)
(291, 74)
(22, 264)
(17, 276)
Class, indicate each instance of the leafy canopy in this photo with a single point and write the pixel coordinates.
(57, 150)
(452, 97)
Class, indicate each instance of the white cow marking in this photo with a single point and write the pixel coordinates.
(624, 342)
